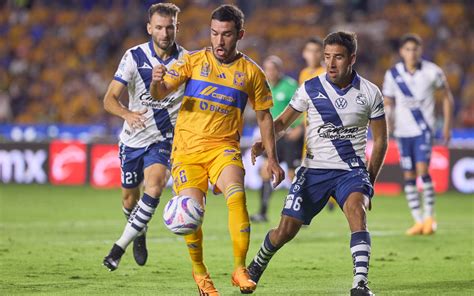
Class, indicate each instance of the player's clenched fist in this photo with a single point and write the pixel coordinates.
(158, 73)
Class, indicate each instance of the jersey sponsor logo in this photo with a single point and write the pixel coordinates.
(147, 101)
(239, 79)
(330, 131)
(222, 76)
(205, 69)
(213, 108)
(341, 103)
(211, 91)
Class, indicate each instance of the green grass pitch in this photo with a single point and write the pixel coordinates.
(53, 239)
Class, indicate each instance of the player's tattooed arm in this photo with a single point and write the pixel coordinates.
(265, 122)
(286, 118)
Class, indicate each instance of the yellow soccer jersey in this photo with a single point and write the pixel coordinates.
(308, 73)
(214, 100)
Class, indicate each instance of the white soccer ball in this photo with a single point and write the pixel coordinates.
(183, 215)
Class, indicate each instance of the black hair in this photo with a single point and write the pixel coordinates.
(346, 39)
(229, 13)
(410, 37)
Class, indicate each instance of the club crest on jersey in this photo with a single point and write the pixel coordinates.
(361, 99)
(239, 79)
(341, 103)
(205, 69)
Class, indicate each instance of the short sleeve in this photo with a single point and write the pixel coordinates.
(299, 101)
(440, 79)
(126, 69)
(388, 88)
(261, 98)
(377, 110)
(180, 72)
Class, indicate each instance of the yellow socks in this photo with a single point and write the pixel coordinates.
(239, 226)
(194, 243)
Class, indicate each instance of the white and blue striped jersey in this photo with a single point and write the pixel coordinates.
(135, 72)
(413, 97)
(337, 121)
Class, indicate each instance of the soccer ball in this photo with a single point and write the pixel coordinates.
(183, 215)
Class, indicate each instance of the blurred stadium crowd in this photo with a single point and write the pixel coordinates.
(57, 57)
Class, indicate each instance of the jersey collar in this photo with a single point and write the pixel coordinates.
(174, 53)
(342, 91)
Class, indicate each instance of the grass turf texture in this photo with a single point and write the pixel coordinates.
(53, 239)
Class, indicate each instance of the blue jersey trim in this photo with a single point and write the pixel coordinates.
(329, 114)
(378, 117)
(121, 80)
(144, 66)
(174, 54)
(342, 91)
(216, 93)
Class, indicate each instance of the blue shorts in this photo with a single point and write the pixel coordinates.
(312, 188)
(413, 150)
(133, 161)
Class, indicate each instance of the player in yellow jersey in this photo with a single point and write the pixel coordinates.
(313, 56)
(219, 82)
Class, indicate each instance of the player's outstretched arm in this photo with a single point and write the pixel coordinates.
(113, 105)
(265, 122)
(286, 118)
(379, 135)
(159, 89)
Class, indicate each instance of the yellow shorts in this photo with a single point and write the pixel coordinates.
(195, 169)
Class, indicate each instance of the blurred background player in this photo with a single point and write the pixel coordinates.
(146, 138)
(409, 89)
(313, 56)
(290, 146)
(341, 105)
(219, 81)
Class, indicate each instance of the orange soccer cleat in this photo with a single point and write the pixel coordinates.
(416, 229)
(205, 285)
(429, 226)
(241, 279)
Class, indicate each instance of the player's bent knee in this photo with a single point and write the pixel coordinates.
(154, 190)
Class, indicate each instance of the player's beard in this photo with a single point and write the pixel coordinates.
(226, 58)
(163, 44)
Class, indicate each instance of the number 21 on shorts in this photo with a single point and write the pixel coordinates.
(293, 202)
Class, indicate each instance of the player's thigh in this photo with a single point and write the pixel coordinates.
(350, 182)
(187, 173)
(155, 178)
(226, 168)
(308, 194)
(131, 166)
(406, 151)
(423, 148)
